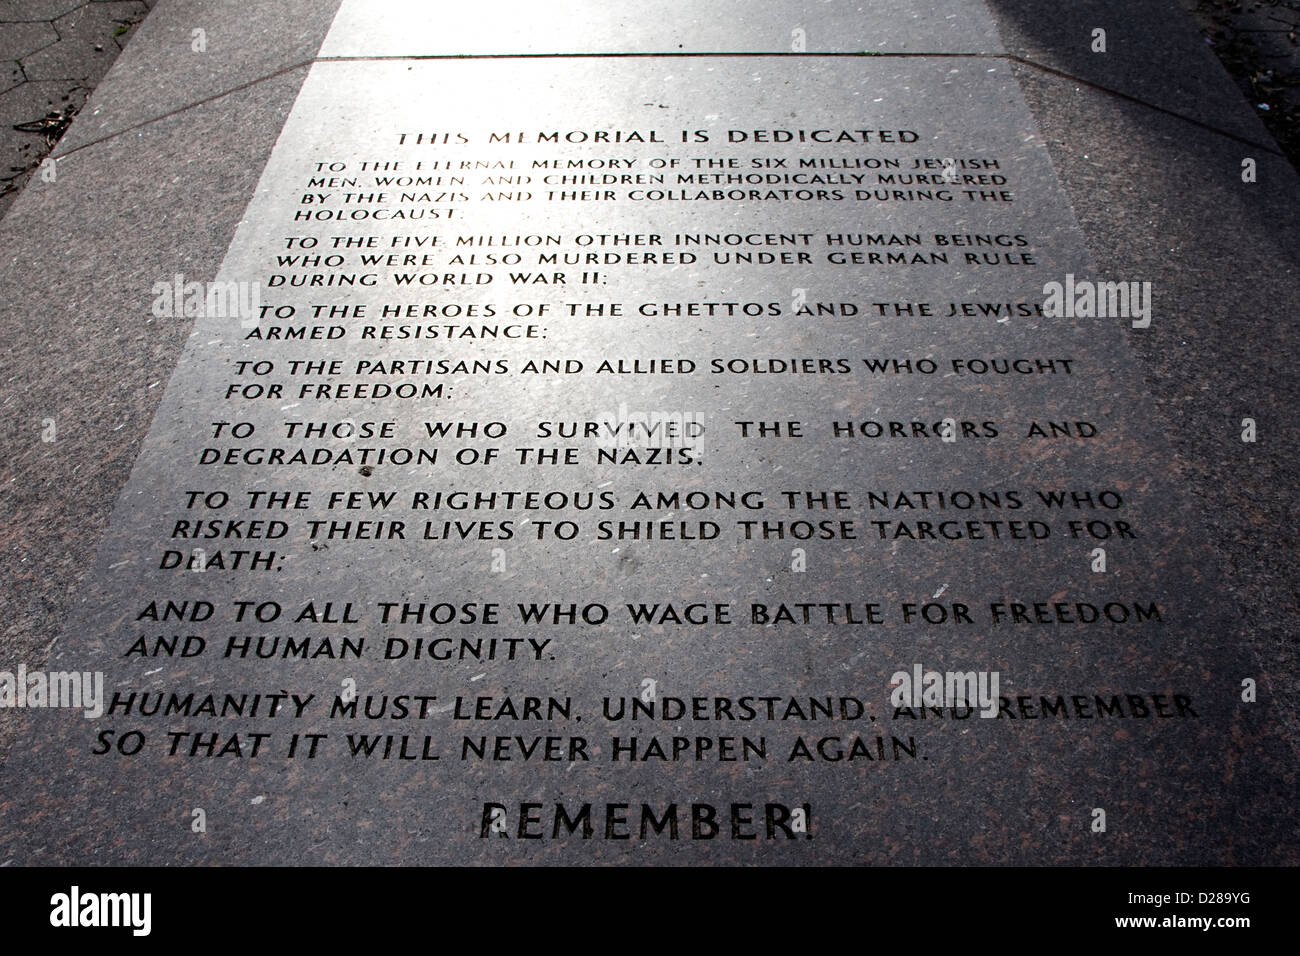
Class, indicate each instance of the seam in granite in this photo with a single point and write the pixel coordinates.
(56, 154)
(1012, 57)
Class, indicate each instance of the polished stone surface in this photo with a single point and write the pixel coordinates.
(517, 27)
(990, 791)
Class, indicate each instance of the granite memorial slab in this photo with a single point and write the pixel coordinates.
(520, 28)
(665, 459)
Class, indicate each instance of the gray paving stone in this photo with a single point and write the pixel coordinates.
(160, 71)
(11, 74)
(31, 101)
(22, 39)
(660, 26)
(176, 189)
(36, 9)
(1153, 53)
(70, 60)
(94, 19)
(1166, 201)
(93, 37)
(86, 48)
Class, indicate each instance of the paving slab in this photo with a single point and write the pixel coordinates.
(20, 10)
(1152, 52)
(52, 63)
(198, 50)
(180, 184)
(82, 53)
(1105, 178)
(516, 27)
(20, 39)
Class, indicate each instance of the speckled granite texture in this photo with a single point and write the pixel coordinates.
(1147, 142)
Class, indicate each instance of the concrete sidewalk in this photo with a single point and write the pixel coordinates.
(55, 52)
